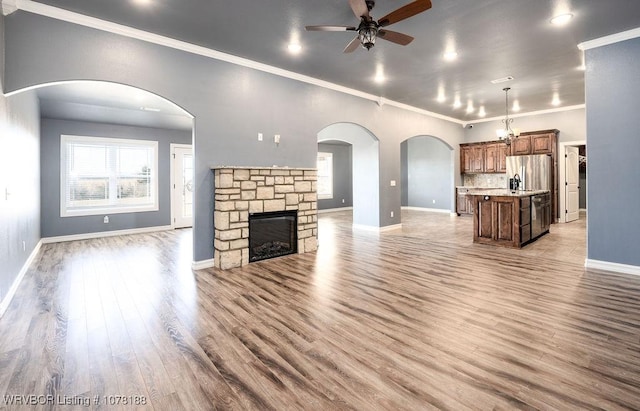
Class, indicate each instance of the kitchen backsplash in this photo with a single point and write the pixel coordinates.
(485, 180)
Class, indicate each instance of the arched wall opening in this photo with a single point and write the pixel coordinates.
(113, 111)
(427, 173)
(366, 169)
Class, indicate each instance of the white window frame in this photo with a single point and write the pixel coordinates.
(326, 196)
(67, 211)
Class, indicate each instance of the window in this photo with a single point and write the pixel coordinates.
(107, 175)
(325, 176)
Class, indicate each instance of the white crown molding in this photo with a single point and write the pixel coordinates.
(528, 114)
(611, 39)
(9, 6)
(92, 22)
(613, 267)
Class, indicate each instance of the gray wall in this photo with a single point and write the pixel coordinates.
(428, 169)
(613, 144)
(342, 176)
(228, 102)
(20, 177)
(53, 225)
(571, 123)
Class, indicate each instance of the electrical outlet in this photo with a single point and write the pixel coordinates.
(343, 201)
(106, 219)
(259, 136)
(393, 183)
(392, 214)
(434, 201)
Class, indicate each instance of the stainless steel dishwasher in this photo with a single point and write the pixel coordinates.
(537, 215)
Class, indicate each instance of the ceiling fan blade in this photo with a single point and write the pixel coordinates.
(359, 8)
(329, 28)
(352, 46)
(395, 37)
(404, 12)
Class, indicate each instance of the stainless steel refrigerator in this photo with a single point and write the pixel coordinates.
(534, 171)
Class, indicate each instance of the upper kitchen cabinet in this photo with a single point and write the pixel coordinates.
(471, 158)
(489, 157)
(535, 142)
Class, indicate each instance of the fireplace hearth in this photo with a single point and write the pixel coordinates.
(241, 192)
(272, 234)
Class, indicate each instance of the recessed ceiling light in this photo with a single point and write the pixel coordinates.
(481, 112)
(450, 55)
(142, 2)
(379, 78)
(457, 103)
(561, 19)
(441, 96)
(470, 108)
(516, 106)
(294, 48)
(556, 99)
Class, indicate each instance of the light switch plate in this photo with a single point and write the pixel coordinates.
(393, 183)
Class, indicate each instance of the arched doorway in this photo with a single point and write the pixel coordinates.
(366, 173)
(427, 166)
(123, 121)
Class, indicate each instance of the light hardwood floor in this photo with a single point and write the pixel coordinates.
(415, 318)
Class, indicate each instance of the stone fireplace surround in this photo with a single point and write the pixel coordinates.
(239, 191)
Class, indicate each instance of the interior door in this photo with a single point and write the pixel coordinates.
(182, 186)
(572, 193)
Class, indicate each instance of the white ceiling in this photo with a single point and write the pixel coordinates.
(493, 38)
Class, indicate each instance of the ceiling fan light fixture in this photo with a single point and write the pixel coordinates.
(367, 35)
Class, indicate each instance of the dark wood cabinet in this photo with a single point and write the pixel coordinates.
(542, 143)
(506, 220)
(503, 151)
(491, 158)
(521, 146)
(478, 158)
(464, 203)
(488, 157)
(466, 155)
(497, 220)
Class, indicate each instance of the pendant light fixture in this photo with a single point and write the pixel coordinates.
(507, 134)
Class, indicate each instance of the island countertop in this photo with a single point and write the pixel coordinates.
(504, 192)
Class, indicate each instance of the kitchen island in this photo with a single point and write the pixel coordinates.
(510, 218)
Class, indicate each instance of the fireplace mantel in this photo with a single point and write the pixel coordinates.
(239, 191)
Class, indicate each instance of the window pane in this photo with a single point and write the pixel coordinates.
(105, 175)
(325, 175)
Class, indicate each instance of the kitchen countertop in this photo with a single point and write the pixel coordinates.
(476, 188)
(503, 192)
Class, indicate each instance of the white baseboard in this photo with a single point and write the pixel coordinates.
(4, 304)
(333, 210)
(376, 229)
(614, 267)
(87, 236)
(432, 210)
(202, 264)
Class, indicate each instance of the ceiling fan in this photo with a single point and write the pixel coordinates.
(369, 29)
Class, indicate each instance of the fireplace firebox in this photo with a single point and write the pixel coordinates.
(272, 234)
